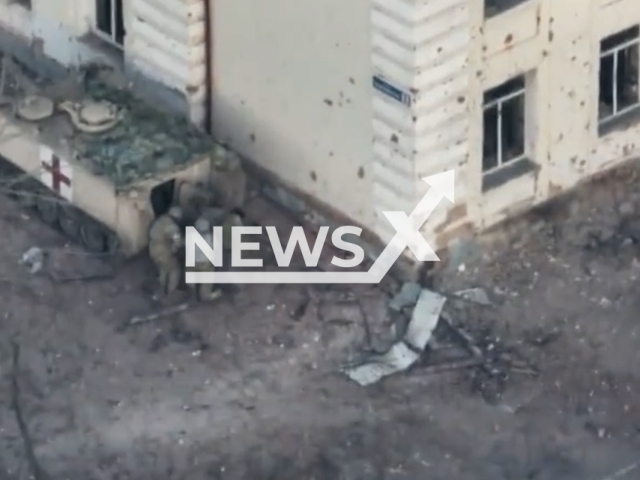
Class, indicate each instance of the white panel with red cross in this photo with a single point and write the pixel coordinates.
(55, 173)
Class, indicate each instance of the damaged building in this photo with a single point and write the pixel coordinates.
(350, 104)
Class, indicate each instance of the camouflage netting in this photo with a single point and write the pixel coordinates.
(145, 143)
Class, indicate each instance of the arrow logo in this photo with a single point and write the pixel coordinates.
(407, 236)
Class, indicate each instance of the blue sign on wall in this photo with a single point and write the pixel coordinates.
(389, 90)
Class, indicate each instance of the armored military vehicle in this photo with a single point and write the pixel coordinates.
(100, 164)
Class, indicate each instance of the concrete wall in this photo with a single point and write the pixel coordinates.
(449, 64)
(164, 51)
(560, 46)
(292, 91)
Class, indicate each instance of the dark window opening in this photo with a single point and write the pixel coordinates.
(495, 7)
(110, 20)
(25, 3)
(619, 55)
(504, 124)
(162, 197)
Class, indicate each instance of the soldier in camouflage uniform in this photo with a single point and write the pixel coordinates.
(165, 243)
(219, 216)
(205, 291)
(228, 179)
(193, 198)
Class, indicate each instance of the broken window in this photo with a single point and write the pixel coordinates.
(619, 55)
(110, 20)
(503, 124)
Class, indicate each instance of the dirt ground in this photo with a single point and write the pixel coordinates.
(250, 388)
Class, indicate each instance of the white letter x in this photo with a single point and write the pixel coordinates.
(409, 232)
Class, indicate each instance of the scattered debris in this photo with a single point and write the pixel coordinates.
(453, 365)
(595, 429)
(475, 295)
(66, 265)
(434, 344)
(541, 338)
(464, 336)
(301, 308)
(33, 259)
(406, 352)
(138, 320)
(424, 319)
(398, 358)
(406, 297)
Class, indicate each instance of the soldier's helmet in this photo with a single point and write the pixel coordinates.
(176, 212)
(219, 157)
(202, 225)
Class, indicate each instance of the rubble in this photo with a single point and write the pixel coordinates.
(173, 310)
(398, 358)
(433, 342)
(475, 295)
(33, 258)
(66, 264)
(406, 297)
(407, 351)
(424, 319)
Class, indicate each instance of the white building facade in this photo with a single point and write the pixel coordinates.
(354, 102)
(351, 103)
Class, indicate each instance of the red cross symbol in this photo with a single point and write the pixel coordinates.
(57, 177)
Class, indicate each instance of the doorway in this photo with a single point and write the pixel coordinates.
(161, 197)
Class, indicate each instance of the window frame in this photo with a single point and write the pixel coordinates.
(614, 51)
(498, 103)
(111, 38)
